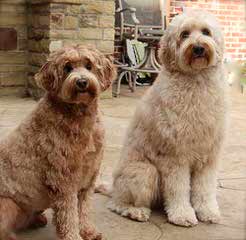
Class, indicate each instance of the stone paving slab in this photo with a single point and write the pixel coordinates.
(117, 114)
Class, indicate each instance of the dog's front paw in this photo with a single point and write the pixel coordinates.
(90, 234)
(182, 216)
(139, 214)
(71, 237)
(208, 213)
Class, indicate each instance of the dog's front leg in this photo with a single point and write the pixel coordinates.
(204, 194)
(176, 186)
(66, 217)
(87, 229)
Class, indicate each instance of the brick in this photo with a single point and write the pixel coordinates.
(90, 33)
(22, 32)
(108, 34)
(38, 34)
(73, 9)
(80, 41)
(106, 46)
(238, 13)
(13, 68)
(70, 22)
(231, 50)
(12, 8)
(103, 7)
(55, 45)
(58, 1)
(22, 44)
(12, 19)
(13, 79)
(63, 34)
(37, 59)
(13, 58)
(242, 39)
(40, 9)
(106, 21)
(57, 21)
(237, 34)
(42, 21)
(88, 20)
(58, 8)
(8, 39)
(231, 40)
(232, 7)
(242, 50)
(39, 46)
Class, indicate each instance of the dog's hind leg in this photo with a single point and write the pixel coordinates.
(135, 191)
(9, 212)
(13, 218)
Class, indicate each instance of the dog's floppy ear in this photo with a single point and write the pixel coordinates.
(109, 72)
(48, 77)
(164, 52)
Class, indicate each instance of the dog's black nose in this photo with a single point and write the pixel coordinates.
(198, 51)
(82, 84)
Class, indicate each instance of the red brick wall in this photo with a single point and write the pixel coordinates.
(231, 14)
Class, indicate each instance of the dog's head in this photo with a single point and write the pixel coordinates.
(76, 74)
(193, 41)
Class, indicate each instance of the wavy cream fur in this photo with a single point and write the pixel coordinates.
(172, 146)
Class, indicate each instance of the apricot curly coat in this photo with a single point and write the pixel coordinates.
(52, 159)
(172, 146)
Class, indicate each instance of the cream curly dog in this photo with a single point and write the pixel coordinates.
(170, 154)
(52, 159)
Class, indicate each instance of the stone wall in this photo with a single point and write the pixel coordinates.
(47, 25)
(13, 43)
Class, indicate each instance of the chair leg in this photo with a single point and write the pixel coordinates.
(118, 83)
(134, 81)
(130, 83)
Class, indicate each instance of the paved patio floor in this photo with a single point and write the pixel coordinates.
(117, 113)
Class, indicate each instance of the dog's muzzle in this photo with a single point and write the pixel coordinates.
(82, 84)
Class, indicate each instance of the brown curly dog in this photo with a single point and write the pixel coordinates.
(52, 159)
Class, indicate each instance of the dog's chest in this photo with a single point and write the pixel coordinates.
(75, 159)
(199, 121)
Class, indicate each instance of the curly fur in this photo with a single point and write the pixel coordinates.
(171, 150)
(51, 160)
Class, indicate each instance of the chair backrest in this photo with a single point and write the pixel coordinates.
(135, 51)
(148, 12)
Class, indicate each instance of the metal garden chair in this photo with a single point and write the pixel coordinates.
(145, 23)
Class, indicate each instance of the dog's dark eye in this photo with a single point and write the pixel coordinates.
(185, 34)
(206, 32)
(88, 66)
(68, 68)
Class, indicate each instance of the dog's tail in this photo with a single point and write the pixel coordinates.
(104, 188)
